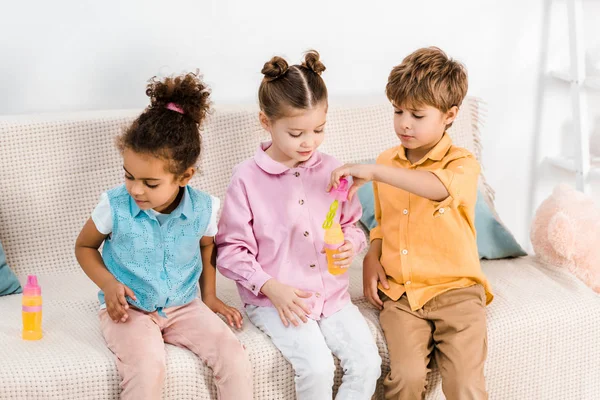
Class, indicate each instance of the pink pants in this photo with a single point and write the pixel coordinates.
(138, 345)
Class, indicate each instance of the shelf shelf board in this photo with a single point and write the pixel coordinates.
(568, 164)
(591, 82)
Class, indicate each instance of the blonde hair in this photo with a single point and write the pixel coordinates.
(428, 77)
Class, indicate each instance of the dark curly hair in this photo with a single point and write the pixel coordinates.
(297, 86)
(169, 127)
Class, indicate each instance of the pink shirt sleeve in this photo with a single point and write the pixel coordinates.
(350, 213)
(236, 244)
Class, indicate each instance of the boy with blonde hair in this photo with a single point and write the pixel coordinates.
(422, 269)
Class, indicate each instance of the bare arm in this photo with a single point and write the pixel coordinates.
(373, 271)
(422, 183)
(208, 279)
(89, 258)
(208, 283)
(375, 249)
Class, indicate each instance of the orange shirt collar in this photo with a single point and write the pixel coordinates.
(436, 154)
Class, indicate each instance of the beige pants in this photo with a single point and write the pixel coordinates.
(452, 328)
(139, 345)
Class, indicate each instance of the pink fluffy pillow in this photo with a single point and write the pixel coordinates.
(566, 233)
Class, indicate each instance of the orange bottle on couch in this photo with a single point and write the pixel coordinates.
(32, 309)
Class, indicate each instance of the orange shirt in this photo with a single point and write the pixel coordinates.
(429, 247)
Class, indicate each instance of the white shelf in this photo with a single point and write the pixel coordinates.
(561, 75)
(575, 74)
(591, 82)
(568, 164)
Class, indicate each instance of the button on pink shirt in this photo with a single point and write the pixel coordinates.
(271, 227)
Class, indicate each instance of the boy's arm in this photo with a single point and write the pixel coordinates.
(459, 177)
(421, 183)
(450, 184)
(373, 271)
(208, 283)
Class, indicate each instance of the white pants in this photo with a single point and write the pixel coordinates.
(308, 348)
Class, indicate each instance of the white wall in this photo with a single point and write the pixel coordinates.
(75, 55)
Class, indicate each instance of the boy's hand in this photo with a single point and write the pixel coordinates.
(360, 173)
(288, 301)
(116, 304)
(345, 256)
(234, 317)
(373, 273)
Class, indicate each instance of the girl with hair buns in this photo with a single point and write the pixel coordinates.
(158, 244)
(271, 240)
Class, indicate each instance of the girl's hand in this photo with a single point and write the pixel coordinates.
(116, 304)
(288, 301)
(345, 256)
(234, 317)
(360, 173)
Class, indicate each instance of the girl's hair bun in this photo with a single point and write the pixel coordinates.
(187, 93)
(275, 68)
(312, 62)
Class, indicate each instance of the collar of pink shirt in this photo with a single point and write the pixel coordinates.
(273, 167)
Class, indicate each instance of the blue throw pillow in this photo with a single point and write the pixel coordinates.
(494, 241)
(9, 284)
(365, 195)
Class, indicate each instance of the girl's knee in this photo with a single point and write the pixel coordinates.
(316, 368)
(233, 357)
(151, 369)
(371, 365)
(367, 366)
(229, 344)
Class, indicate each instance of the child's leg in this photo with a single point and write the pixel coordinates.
(198, 329)
(461, 342)
(409, 339)
(140, 351)
(349, 338)
(304, 347)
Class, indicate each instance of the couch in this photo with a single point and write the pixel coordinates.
(544, 324)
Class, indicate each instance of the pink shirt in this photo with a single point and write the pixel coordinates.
(271, 228)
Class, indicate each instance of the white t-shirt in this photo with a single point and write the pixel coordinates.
(103, 219)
